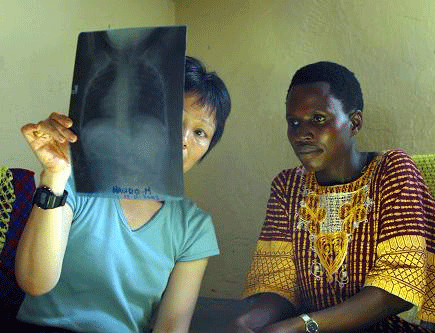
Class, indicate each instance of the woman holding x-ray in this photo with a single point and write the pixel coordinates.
(94, 264)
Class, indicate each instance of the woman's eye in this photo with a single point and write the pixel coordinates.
(201, 133)
(318, 118)
(293, 123)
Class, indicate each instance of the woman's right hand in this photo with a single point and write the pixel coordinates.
(49, 140)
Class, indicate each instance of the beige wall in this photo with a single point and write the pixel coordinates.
(37, 51)
(256, 46)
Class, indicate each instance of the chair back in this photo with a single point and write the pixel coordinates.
(16, 191)
(426, 165)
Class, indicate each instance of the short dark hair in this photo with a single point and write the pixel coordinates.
(343, 83)
(211, 92)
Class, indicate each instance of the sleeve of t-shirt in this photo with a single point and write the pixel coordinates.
(199, 237)
(73, 200)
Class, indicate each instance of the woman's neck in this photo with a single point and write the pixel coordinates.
(139, 212)
(347, 170)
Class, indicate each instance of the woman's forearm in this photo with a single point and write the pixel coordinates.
(42, 245)
(364, 309)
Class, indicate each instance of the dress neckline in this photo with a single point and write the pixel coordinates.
(312, 183)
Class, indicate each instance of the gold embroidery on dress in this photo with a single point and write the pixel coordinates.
(356, 211)
(330, 220)
(331, 249)
(311, 212)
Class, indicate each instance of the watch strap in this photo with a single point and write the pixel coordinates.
(45, 198)
(310, 325)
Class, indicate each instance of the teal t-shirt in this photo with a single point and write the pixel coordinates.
(113, 277)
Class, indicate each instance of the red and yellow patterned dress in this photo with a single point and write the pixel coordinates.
(320, 245)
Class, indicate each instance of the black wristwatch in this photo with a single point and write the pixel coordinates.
(45, 198)
(310, 325)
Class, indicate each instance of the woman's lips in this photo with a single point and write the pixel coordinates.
(305, 149)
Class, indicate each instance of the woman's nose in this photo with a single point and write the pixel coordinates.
(185, 137)
(304, 132)
(307, 132)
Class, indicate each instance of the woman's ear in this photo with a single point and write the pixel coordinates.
(356, 118)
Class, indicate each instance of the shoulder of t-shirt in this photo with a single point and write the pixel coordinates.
(79, 202)
(187, 211)
(71, 199)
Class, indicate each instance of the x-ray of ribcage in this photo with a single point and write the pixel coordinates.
(126, 105)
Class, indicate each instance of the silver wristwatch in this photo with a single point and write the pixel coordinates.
(310, 325)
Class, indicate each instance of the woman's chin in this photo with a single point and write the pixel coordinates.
(186, 167)
(312, 167)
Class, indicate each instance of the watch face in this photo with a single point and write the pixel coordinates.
(44, 198)
(312, 326)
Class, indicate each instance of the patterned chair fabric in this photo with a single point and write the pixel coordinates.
(11, 295)
(426, 165)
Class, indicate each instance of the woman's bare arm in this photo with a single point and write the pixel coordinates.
(180, 297)
(42, 245)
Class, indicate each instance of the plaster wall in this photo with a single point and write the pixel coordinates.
(37, 52)
(256, 46)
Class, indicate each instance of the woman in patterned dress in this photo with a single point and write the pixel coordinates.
(348, 242)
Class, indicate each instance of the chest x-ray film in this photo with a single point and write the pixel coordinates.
(127, 105)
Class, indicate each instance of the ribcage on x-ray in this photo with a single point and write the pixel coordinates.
(124, 126)
(120, 90)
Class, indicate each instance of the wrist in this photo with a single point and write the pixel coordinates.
(309, 324)
(45, 198)
(56, 182)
